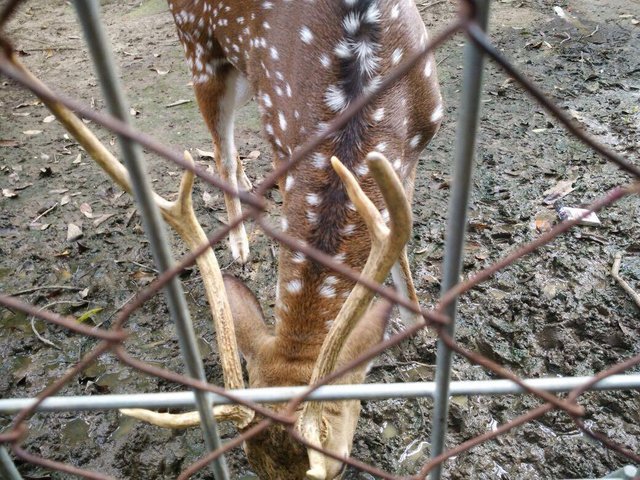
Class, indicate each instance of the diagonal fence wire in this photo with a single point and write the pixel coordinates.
(439, 318)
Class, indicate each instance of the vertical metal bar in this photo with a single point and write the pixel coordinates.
(456, 223)
(88, 12)
(8, 469)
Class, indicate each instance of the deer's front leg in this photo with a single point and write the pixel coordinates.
(218, 95)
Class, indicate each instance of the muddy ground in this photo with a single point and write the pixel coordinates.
(557, 312)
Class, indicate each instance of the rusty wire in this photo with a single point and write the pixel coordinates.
(112, 339)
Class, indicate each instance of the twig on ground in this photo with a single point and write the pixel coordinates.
(45, 287)
(33, 326)
(44, 213)
(615, 273)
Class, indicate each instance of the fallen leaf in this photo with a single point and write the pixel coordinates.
(543, 221)
(9, 143)
(59, 191)
(74, 232)
(570, 213)
(204, 154)
(253, 154)
(133, 112)
(102, 218)
(559, 190)
(209, 199)
(64, 253)
(32, 132)
(78, 159)
(9, 193)
(88, 314)
(159, 71)
(86, 210)
(84, 293)
(130, 216)
(44, 226)
(65, 199)
(22, 187)
(49, 119)
(20, 114)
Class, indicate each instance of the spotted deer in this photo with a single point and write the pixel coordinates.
(305, 61)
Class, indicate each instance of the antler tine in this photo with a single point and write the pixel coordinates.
(181, 216)
(177, 421)
(386, 245)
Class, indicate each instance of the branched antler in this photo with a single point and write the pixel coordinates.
(386, 245)
(181, 216)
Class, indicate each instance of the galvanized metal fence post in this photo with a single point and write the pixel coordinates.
(8, 469)
(456, 223)
(88, 13)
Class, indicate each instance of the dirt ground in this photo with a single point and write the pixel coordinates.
(555, 313)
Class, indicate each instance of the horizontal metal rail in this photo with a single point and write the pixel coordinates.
(331, 392)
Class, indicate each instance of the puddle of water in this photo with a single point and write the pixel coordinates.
(126, 425)
(76, 431)
(388, 431)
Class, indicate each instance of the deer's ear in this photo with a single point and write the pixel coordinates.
(368, 332)
(248, 320)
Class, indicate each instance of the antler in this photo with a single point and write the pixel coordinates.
(386, 245)
(181, 216)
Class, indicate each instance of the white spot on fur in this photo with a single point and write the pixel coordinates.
(413, 143)
(294, 286)
(319, 160)
(362, 169)
(396, 56)
(340, 257)
(312, 216)
(289, 183)
(325, 60)
(284, 224)
(351, 23)
(327, 291)
(342, 50)
(428, 69)
(282, 121)
(348, 229)
(395, 12)
(372, 15)
(378, 115)
(436, 116)
(305, 35)
(335, 98)
(298, 257)
(313, 199)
